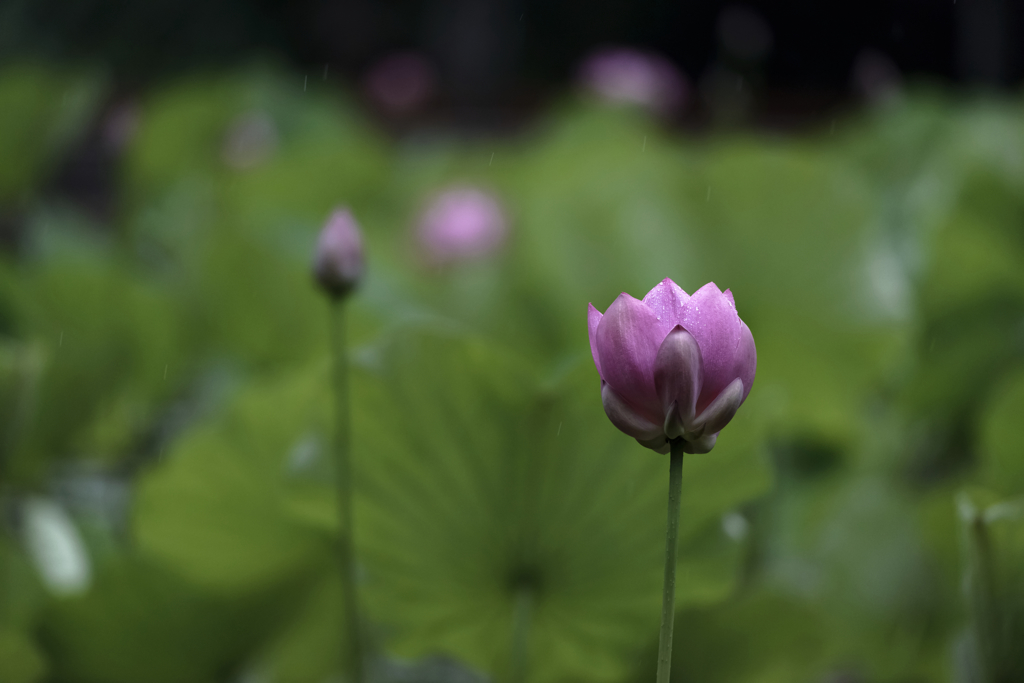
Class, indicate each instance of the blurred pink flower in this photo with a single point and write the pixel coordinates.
(400, 83)
(338, 261)
(673, 365)
(625, 75)
(460, 224)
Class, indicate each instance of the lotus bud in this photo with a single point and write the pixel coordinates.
(338, 263)
(673, 366)
(461, 224)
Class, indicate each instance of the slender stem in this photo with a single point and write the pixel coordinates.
(352, 648)
(984, 604)
(668, 600)
(521, 635)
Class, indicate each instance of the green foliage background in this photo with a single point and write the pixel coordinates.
(173, 357)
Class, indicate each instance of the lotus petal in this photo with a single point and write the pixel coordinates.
(678, 375)
(711, 318)
(628, 338)
(721, 410)
(593, 319)
(625, 418)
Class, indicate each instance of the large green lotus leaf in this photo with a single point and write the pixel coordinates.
(584, 202)
(327, 157)
(20, 367)
(904, 153)
(756, 637)
(20, 658)
(597, 212)
(767, 636)
(227, 506)
(936, 517)
(564, 506)
(141, 623)
(109, 349)
(41, 113)
(1002, 437)
(237, 241)
(307, 648)
(21, 592)
(785, 223)
(238, 284)
(988, 137)
(972, 296)
(787, 228)
(978, 250)
(491, 507)
(183, 130)
(232, 280)
(301, 152)
(865, 558)
(852, 542)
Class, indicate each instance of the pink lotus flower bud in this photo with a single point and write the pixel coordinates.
(461, 224)
(673, 366)
(338, 261)
(627, 76)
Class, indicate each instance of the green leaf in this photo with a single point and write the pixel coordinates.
(1002, 437)
(226, 506)
(41, 113)
(20, 659)
(107, 344)
(481, 487)
(309, 647)
(140, 623)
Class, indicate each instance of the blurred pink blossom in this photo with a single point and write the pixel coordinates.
(462, 223)
(625, 75)
(401, 83)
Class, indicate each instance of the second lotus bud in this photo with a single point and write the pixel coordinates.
(338, 263)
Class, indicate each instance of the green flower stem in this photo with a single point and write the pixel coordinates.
(352, 648)
(521, 635)
(983, 603)
(668, 600)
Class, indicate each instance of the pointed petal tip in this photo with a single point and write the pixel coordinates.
(708, 288)
(666, 299)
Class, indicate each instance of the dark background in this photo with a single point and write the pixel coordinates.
(504, 54)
